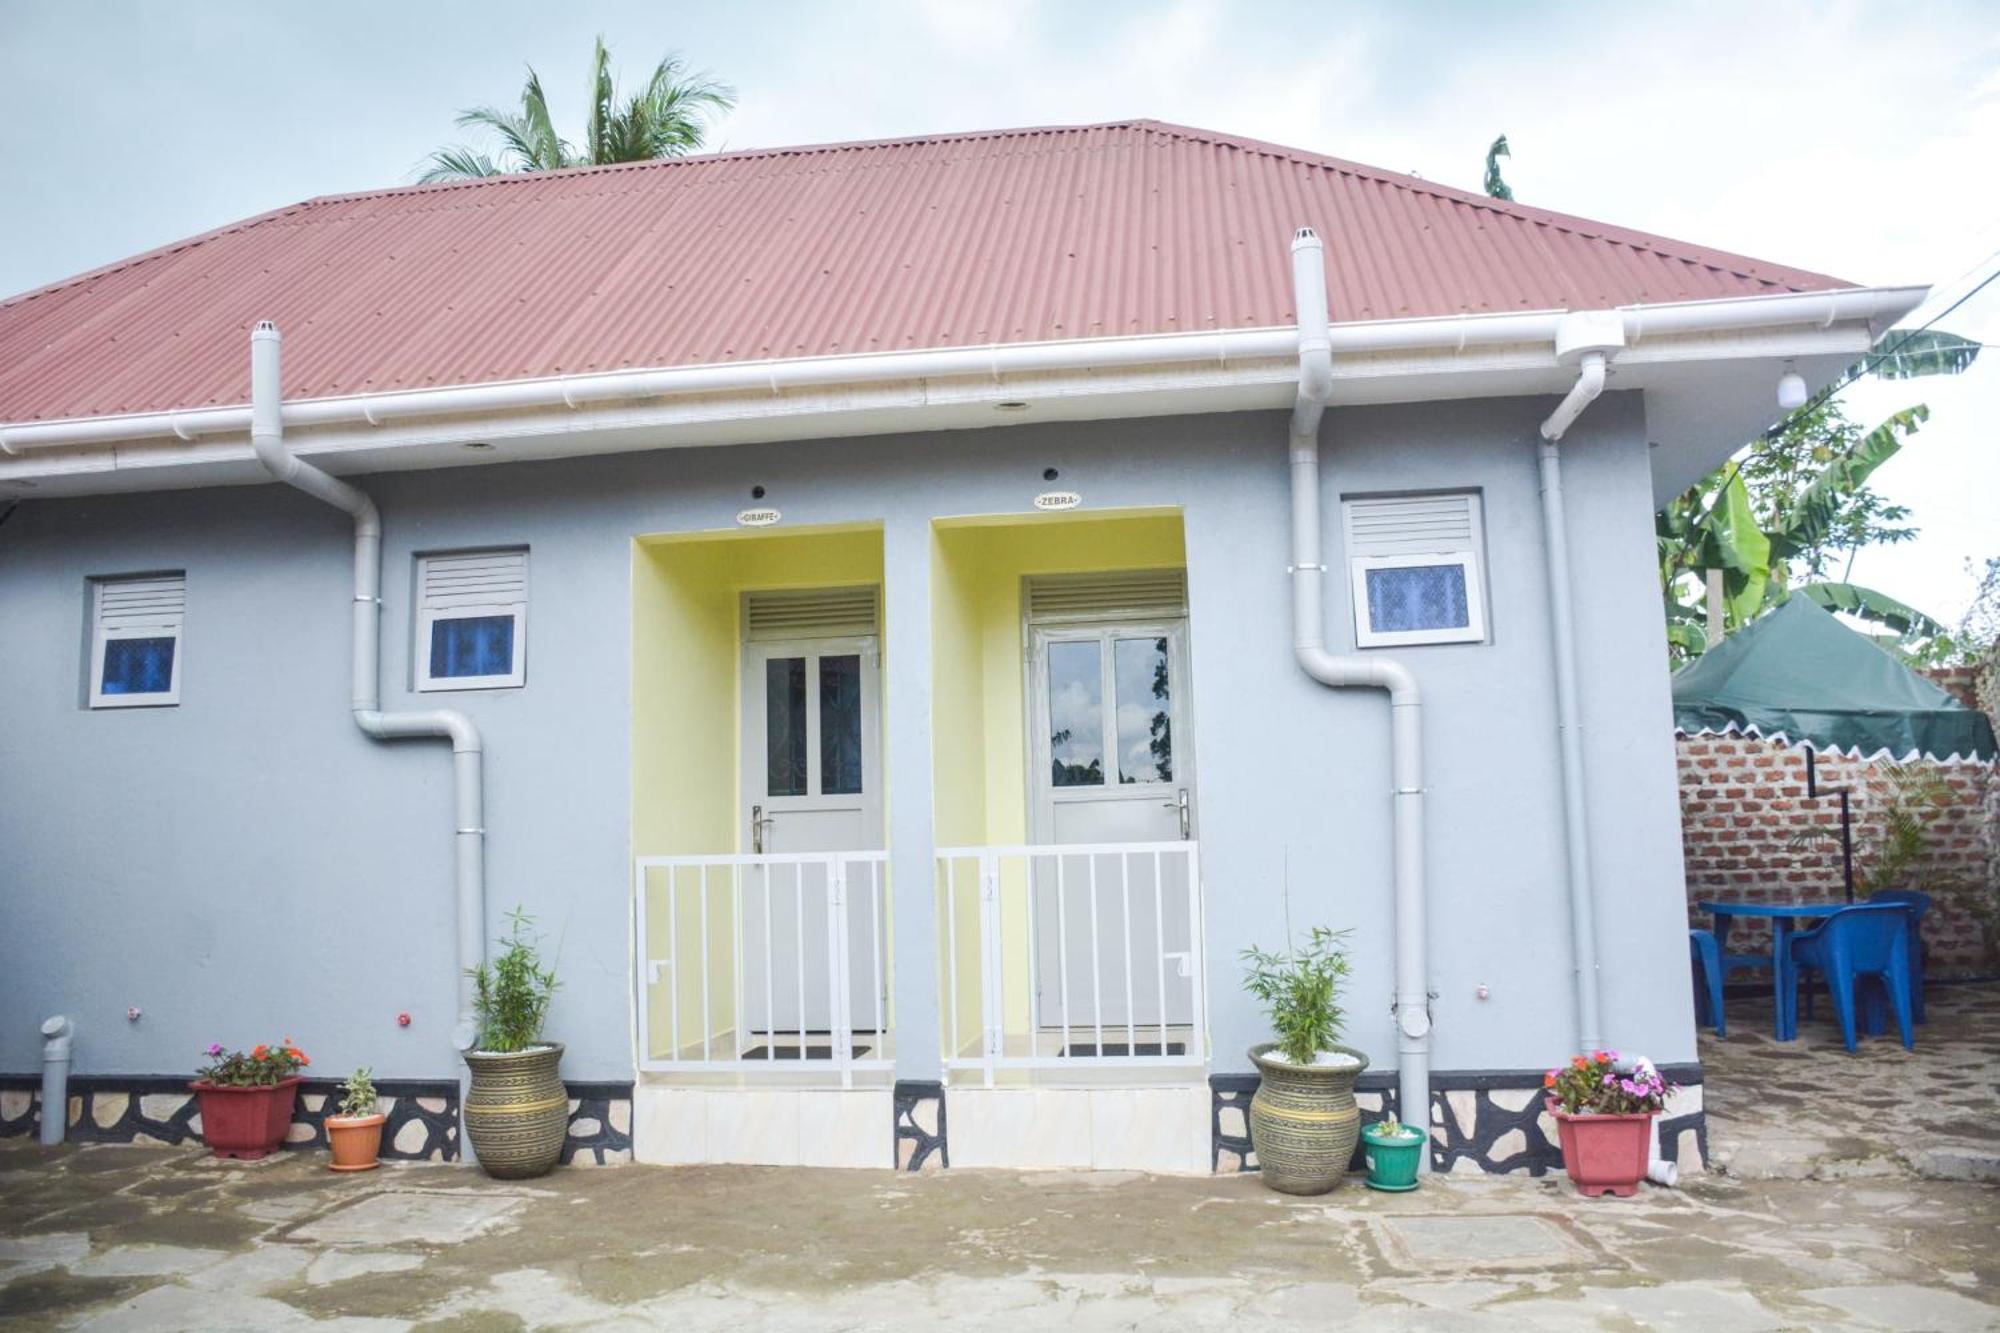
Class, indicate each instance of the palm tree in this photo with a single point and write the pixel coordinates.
(669, 117)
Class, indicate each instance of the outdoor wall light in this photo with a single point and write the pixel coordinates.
(1791, 390)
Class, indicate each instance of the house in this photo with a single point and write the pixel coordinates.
(901, 617)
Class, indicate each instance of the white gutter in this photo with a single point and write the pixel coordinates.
(1412, 1002)
(267, 437)
(1451, 333)
(1586, 340)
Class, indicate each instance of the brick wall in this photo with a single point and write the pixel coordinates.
(1743, 802)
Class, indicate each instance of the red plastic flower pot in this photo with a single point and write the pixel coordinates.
(245, 1123)
(1605, 1154)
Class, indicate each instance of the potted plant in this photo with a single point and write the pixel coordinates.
(1393, 1151)
(1604, 1113)
(355, 1134)
(1303, 1120)
(246, 1100)
(517, 1110)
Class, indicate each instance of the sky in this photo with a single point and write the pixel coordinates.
(1855, 139)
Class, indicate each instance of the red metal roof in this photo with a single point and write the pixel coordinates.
(1005, 236)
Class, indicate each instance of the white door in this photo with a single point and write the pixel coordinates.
(812, 782)
(1112, 764)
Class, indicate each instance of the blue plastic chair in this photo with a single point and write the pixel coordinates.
(1918, 903)
(1867, 940)
(1706, 954)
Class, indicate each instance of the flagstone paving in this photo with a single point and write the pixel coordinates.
(1854, 1193)
(161, 1238)
(1807, 1109)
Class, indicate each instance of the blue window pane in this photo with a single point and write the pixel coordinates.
(472, 646)
(1417, 597)
(138, 666)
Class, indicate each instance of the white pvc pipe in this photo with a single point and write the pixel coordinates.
(1439, 334)
(54, 1112)
(267, 438)
(1412, 1004)
(1569, 712)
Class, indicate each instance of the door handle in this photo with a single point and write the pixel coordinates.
(759, 821)
(1180, 803)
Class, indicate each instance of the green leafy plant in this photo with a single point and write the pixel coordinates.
(1897, 846)
(1391, 1128)
(357, 1094)
(511, 994)
(1300, 990)
(266, 1065)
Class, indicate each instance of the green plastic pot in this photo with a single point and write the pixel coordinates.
(1392, 1161)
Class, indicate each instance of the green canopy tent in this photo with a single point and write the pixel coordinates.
(1800, 677)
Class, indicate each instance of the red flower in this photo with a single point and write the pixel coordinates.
(1549, 1079)
(260, 1051)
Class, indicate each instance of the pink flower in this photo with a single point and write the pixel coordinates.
(214, 1049)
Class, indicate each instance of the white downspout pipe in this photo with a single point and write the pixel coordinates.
(1587, 339)
(54, 1112)
(1412, 1003)
(267, 438)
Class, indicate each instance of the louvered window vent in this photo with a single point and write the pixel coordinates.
(810, 613)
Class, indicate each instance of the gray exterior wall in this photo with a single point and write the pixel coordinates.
(247, 865)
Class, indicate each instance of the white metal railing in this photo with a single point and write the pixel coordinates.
(763, 963)
(1063, 957)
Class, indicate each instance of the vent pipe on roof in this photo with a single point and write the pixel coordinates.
(1412, 1003)
(267, 437)
(1585, 340)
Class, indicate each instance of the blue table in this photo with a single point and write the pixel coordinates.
(1781, 915)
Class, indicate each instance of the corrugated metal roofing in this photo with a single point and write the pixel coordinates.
(1006, 236)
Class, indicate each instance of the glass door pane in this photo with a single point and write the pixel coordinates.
(1076, 713)
(840, 725)
(785, 726)
(1145, 710)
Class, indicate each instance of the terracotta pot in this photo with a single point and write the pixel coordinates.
(517, 1111)
(1303, 1120)
(356, 1141)
(245, 1123)
(1605, 1154)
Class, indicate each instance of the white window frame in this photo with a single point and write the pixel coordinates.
(428, 616)
(169, 626)
(1466, 554)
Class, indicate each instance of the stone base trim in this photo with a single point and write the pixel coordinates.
(600, 1124)
(676, 1125)
(1485, 1121)
(921, 1138)
(421, 1124)
(1161, 1130)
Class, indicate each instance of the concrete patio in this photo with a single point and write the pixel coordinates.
(145, 1238)
(1853, 1194)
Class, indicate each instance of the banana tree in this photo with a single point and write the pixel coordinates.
(1725, 559)
(1775, 519)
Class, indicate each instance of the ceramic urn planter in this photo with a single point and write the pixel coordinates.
(517, 1112)
(1303, 1120)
